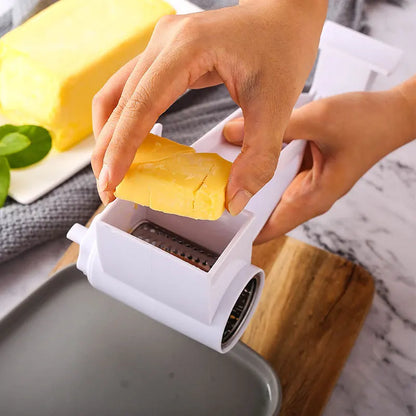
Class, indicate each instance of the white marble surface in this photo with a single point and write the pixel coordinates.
(374, 225)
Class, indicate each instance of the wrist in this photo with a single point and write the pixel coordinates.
(394, 115)
(406, 95)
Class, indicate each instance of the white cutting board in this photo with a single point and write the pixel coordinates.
(29, 184)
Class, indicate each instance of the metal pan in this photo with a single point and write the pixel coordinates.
(71, 350)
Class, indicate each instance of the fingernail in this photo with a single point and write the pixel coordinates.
(103, 180)
(239, 201)
(234, 129)
(237, 120)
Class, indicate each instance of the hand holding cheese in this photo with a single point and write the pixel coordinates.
(261, 50)
(172, 178)
(347, 135)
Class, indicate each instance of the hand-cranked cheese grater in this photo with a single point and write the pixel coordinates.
(193, 275)
(196, 276)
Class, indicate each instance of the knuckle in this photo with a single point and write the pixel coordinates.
(118, 147)
(140, 103)
(136, 104)
(115, 115)
(122, 148)
(189, 30)
(122, 103)
(165, 21)
(267, 171)
(99, 99)
(118, 109)
(182, 29)
(96, 159)
(263, 167)
(186, 24)
(184, 34)
(146, 100)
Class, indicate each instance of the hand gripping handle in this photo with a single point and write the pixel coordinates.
(264, 201)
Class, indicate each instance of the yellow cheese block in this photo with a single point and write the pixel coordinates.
(155, 148)
(52, 65)
(186, 183)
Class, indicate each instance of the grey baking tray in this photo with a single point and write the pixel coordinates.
(71, 350)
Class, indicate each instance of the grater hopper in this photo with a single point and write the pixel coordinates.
(196, 276)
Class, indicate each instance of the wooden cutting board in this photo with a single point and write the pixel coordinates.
(312, 309)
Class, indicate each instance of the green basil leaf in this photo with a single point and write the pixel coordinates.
(13, 143)
(40, 145)
(6, 129)
(4, 179)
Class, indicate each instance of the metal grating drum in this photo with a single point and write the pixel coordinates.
(174, 244)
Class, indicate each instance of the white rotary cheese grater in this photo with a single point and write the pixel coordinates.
(196, 276)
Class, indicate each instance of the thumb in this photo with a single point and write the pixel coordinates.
(308, 122)
(260, 150)
(234, 131)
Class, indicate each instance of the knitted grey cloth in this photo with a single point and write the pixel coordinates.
(25, 226)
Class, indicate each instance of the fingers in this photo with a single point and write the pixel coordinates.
(107, 98)
(256, 164)
(306, 197)
(234, 131)
(288, 214)
(154, 93)
(303, 124)
(168, 66)
(141, 64)
(121, 85)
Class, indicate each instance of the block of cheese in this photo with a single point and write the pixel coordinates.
(185, 183)
(52, 65)
(155, 148)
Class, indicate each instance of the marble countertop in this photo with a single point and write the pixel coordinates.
(373, 225)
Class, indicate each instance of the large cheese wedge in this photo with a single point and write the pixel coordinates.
(52, 65)
(185, 183)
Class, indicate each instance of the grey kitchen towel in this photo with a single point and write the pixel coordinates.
(25, 226)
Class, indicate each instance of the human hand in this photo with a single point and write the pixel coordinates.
(347, 134)
(261, 50)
